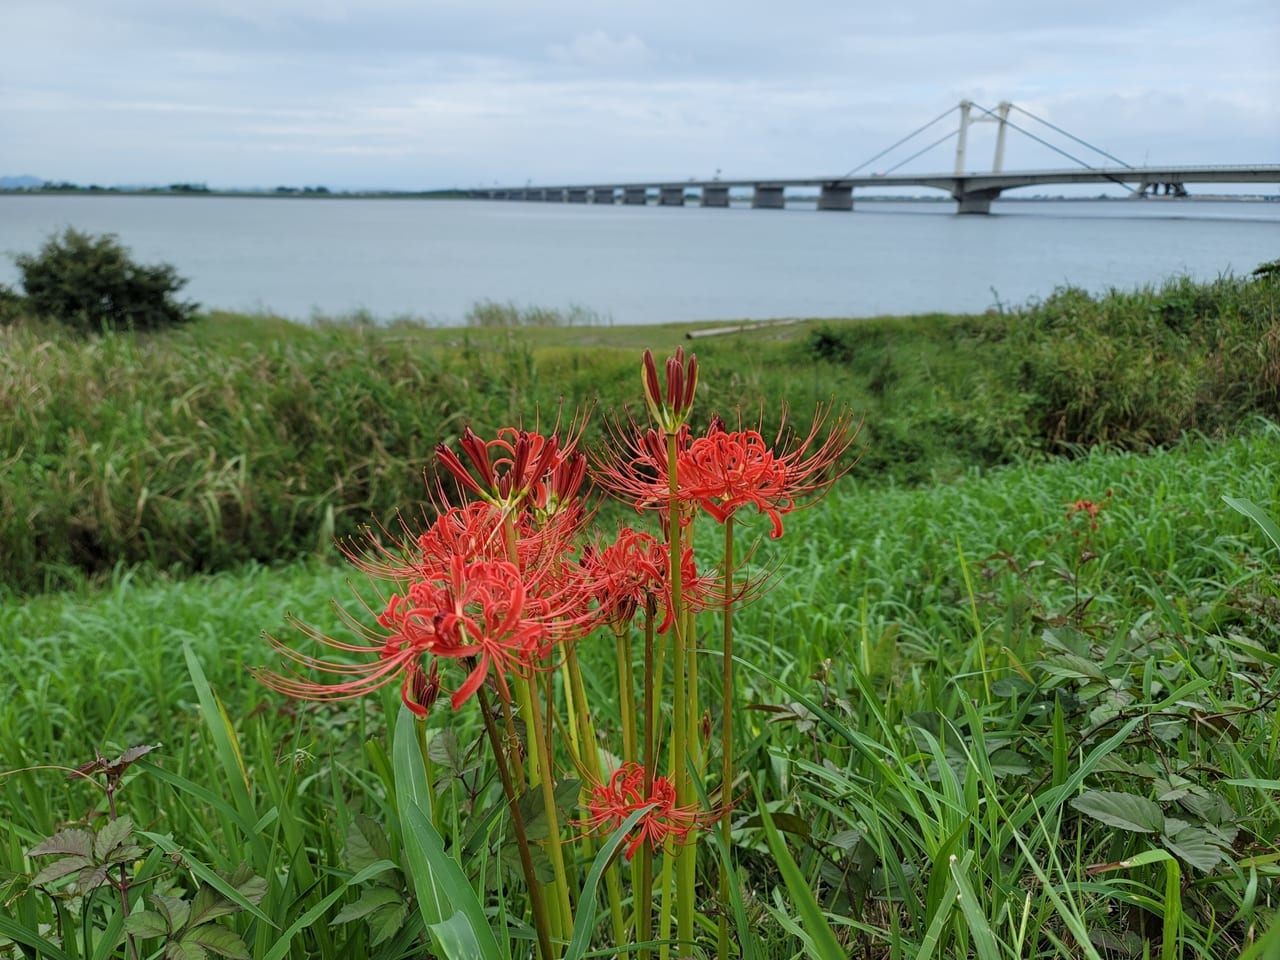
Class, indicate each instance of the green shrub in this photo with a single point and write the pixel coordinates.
(92, 285)
(12, 305)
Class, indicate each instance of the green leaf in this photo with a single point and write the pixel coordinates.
(78, 843)
(385, 923)
(585, 921)
(366, 843)
(146, 923)
(220, 940)
(449, 906)
(184, 950)
(112, 835)
(1197, 847)
(1123, 810)
(984, 941)
(59, 869)
(174, 910)
(535, 811)
(370, 900)
(1257, 515)
(45, 949)
(821, 937)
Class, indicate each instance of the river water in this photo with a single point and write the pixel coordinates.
(435, 259)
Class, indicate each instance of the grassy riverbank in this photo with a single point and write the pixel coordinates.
(244, 439)
(937, 678)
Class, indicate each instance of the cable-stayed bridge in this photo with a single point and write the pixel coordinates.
(973, 192)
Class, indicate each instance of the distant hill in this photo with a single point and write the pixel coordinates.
(20, 183)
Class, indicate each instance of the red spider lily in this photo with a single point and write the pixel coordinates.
(633, 465)
(725, 470)
(623, 574)
(611, 803)
(510, 469)
(672, 410)
(482, 614)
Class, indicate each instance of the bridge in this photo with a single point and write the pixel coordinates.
(973, 192)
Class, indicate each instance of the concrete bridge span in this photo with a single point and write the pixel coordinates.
(973, 192)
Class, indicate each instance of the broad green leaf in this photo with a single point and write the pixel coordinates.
(175, 910)
(146, 923)
(77, 843)
(59, 869)
(220, 940)
(1123, 810)
(366, 843)
(385, 923)
(370, 900)
(1197, 847)
(112, 835)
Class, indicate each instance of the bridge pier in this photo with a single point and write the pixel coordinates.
(714, 196)
(979, 201)
(768, 196)
(638, 196)
(671, 196)
(602, 195)
(835, 196)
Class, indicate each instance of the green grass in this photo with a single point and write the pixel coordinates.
(934, 681)
(250, 439)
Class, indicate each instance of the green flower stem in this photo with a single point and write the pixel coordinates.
(547, 780)
(643, 883)
(626, 692)
(541, 918)
(726, 745)
(680, 701)
(583, 736)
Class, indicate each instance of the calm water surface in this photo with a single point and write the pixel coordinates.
(434, 259)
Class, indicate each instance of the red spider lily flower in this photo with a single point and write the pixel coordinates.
(510, 469)
(611, 803)
(482, 614)
(622, 575)
(671, 411)
(725, 470)
(633, 465)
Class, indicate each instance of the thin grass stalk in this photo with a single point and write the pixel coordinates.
(626, 691)
(547, 781)
(541, 916)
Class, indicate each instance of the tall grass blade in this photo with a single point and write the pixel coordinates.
(1257, 515)
(822, 938)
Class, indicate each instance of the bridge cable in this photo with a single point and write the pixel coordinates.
(895, 146)
(1072, 136)
(941, 139)
(1041, 140)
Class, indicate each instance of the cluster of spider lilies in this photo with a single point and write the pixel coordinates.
(494, 602)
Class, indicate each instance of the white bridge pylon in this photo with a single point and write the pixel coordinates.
(1001, 117)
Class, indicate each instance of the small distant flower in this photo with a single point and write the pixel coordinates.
(728, 469)
(1088, 510)
(611, 803)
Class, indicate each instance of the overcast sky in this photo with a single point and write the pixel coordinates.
(438, 93)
